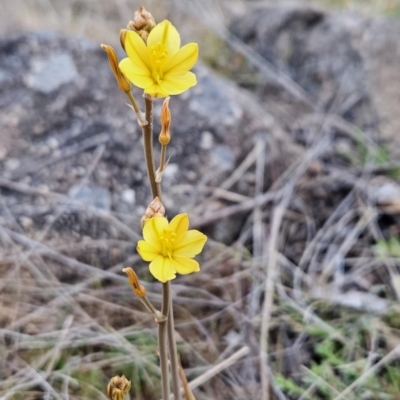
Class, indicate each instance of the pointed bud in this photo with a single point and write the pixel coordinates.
(165, 135)
(123, 83)
(122, 36)
(154, 209)
(118, 388)
(143, 22)
(138, 289)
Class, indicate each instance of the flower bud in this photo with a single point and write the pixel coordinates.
(138, 289)
(165, 135)
(122, 36)
(123, 83)
(143, 22)
(154, 209)
(118, 388)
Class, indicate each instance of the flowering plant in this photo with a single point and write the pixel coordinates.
(158, 64)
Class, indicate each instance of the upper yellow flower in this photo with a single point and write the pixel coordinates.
(160, 67)
(170, 247)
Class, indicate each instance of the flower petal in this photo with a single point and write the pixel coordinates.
(183, 60)
(180, 225)
(190, 245)
(147, 251)
(185, 266)
(136, 50)
(156, 91)
(162, 269)
(178, 83)
(153, 229)
(165, 34)
(139, 77)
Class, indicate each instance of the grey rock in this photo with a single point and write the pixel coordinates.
(93, 196)
(207, 140)
(58, 100)
(47, 75)
(171, 171)
(222, 158)
(128, 196)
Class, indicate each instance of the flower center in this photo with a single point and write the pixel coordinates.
(167, 239)
(158, 54)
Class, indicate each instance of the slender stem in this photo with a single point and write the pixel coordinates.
(148, 147)
(173, 354)
(141, 118)
(160, 171)
(165, 328)
(158, 316)
(133, 102)
(162, 343)
(162, 158)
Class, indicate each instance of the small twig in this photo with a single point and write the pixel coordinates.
(216, 369)
(162, 341)
(374, 369)
(271, 269)
(61, 155)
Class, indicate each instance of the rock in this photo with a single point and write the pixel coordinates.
(12, 164)
(48, 74)
(207, 140)
(170, 171)
(93, 196)
(128, 196)
(346, 63)
(222, 158)
(58, 94)
(26, 222)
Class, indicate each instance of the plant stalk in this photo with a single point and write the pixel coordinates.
(173, 354)
(166, 328)
(148, 147)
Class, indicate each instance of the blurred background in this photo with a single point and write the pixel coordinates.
(286, 154)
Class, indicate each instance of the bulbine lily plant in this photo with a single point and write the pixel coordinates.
(158, 64)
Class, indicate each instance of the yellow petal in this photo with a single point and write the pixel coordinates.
(185, 266)
(183, 60)
(165, 34)
(162, 269)
(190, 245)
(156, 91)
(136, 49)
(147, 251)
(153, 229)
(177, 83)
(139, 77)
(180, 225)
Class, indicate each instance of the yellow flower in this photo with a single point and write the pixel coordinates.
(170, 247)
(160, 67)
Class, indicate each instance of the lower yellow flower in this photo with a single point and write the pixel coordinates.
(170, 247)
